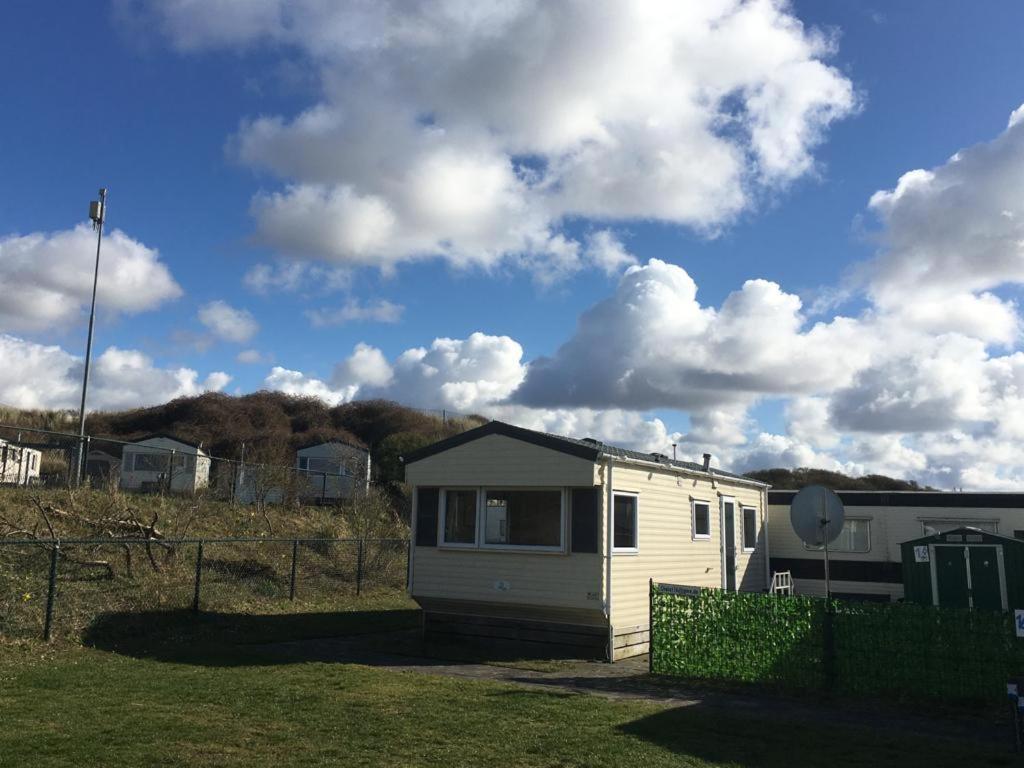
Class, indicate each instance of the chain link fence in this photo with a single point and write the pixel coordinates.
(898, 651)
(54, 588)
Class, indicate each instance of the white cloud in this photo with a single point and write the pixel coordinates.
(606, 251)
(41, 376)
(365, 367)
(296, 277)
(251, 357)
(472, 131)
(353, 310)
(46, 278)
(228, 323)
(297, 383)
(954, 229)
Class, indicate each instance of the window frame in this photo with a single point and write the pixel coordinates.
(694, 536)
(867, 520)
(748, 548)
(634, 550)
(481, 525)
(442, 512)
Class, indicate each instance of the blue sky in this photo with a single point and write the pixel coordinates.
(152, 99)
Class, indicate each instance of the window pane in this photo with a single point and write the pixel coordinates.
(701, 520)
(523, 518)
(460, 517)
(323, 465)
(749, 528)
(625, 522)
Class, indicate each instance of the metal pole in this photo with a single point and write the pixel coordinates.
(98, 223)
(295, 560)
(650, 626)
(199, 577)
(51, 591)
(359, 569)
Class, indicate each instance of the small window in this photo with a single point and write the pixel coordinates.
(624, 523)
(459, 509)
(855, 537)
(701, 520)
(322, 465)
(303, 462)
(749, 529)
(523, 518)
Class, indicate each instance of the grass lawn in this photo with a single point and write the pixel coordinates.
(199, 700)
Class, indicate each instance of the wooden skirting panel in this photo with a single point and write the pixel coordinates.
(538, 638)
(631, 641)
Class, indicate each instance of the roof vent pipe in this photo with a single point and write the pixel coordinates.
(673, 451)
(707, 461)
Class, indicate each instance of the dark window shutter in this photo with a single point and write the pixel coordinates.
(426, 517)
(586, 511)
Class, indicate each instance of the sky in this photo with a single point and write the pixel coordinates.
(786, 233)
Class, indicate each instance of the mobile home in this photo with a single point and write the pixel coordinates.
(19, 465)
(332, 470)
(164, 463)
(865, 562)
(553, 540)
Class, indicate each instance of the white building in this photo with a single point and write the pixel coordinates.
(163, 463)
(18, 465)
(331, 470)
(865, 562)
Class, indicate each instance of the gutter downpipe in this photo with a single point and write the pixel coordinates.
(608, 558)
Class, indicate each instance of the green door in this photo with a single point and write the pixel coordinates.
(951, 576)
(985, 578)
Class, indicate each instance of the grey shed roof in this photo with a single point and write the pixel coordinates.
(585, 448)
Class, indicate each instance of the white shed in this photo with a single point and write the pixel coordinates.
(332, 470)
(19, 465)
(164, 463)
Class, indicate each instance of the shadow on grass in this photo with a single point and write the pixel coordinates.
(708, 733)
(231, 639)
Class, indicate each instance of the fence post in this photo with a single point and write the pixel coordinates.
(323, 489)
(829, 650)
(650, 626)
(295, 560)
(199, 577)
(170, 471)
(359, 569)
(51, 592)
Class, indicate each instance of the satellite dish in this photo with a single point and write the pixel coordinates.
(816, 515)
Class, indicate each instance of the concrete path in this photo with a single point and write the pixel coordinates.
(629, 680)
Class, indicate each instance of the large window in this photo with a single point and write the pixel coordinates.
(749, 529)
(523, 518)
(855, 537)
(321, 465)
(624, 523)
(459, 508)
(150, 462)
(701, 520)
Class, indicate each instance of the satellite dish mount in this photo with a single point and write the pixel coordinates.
(817, 517)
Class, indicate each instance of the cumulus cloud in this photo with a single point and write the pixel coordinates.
(251, 357)
(46, 278)
(45, 376)
(228, 323)
(954, 229)
(353, 310)
(296, 277)
(471, 132)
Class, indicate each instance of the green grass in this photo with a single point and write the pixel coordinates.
(198, 693)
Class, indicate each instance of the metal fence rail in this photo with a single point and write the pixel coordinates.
(60, 586)
(889, 650)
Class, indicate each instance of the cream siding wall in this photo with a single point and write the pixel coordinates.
(507, 577)
(667, 550)
(890, 526)
(500, 460)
